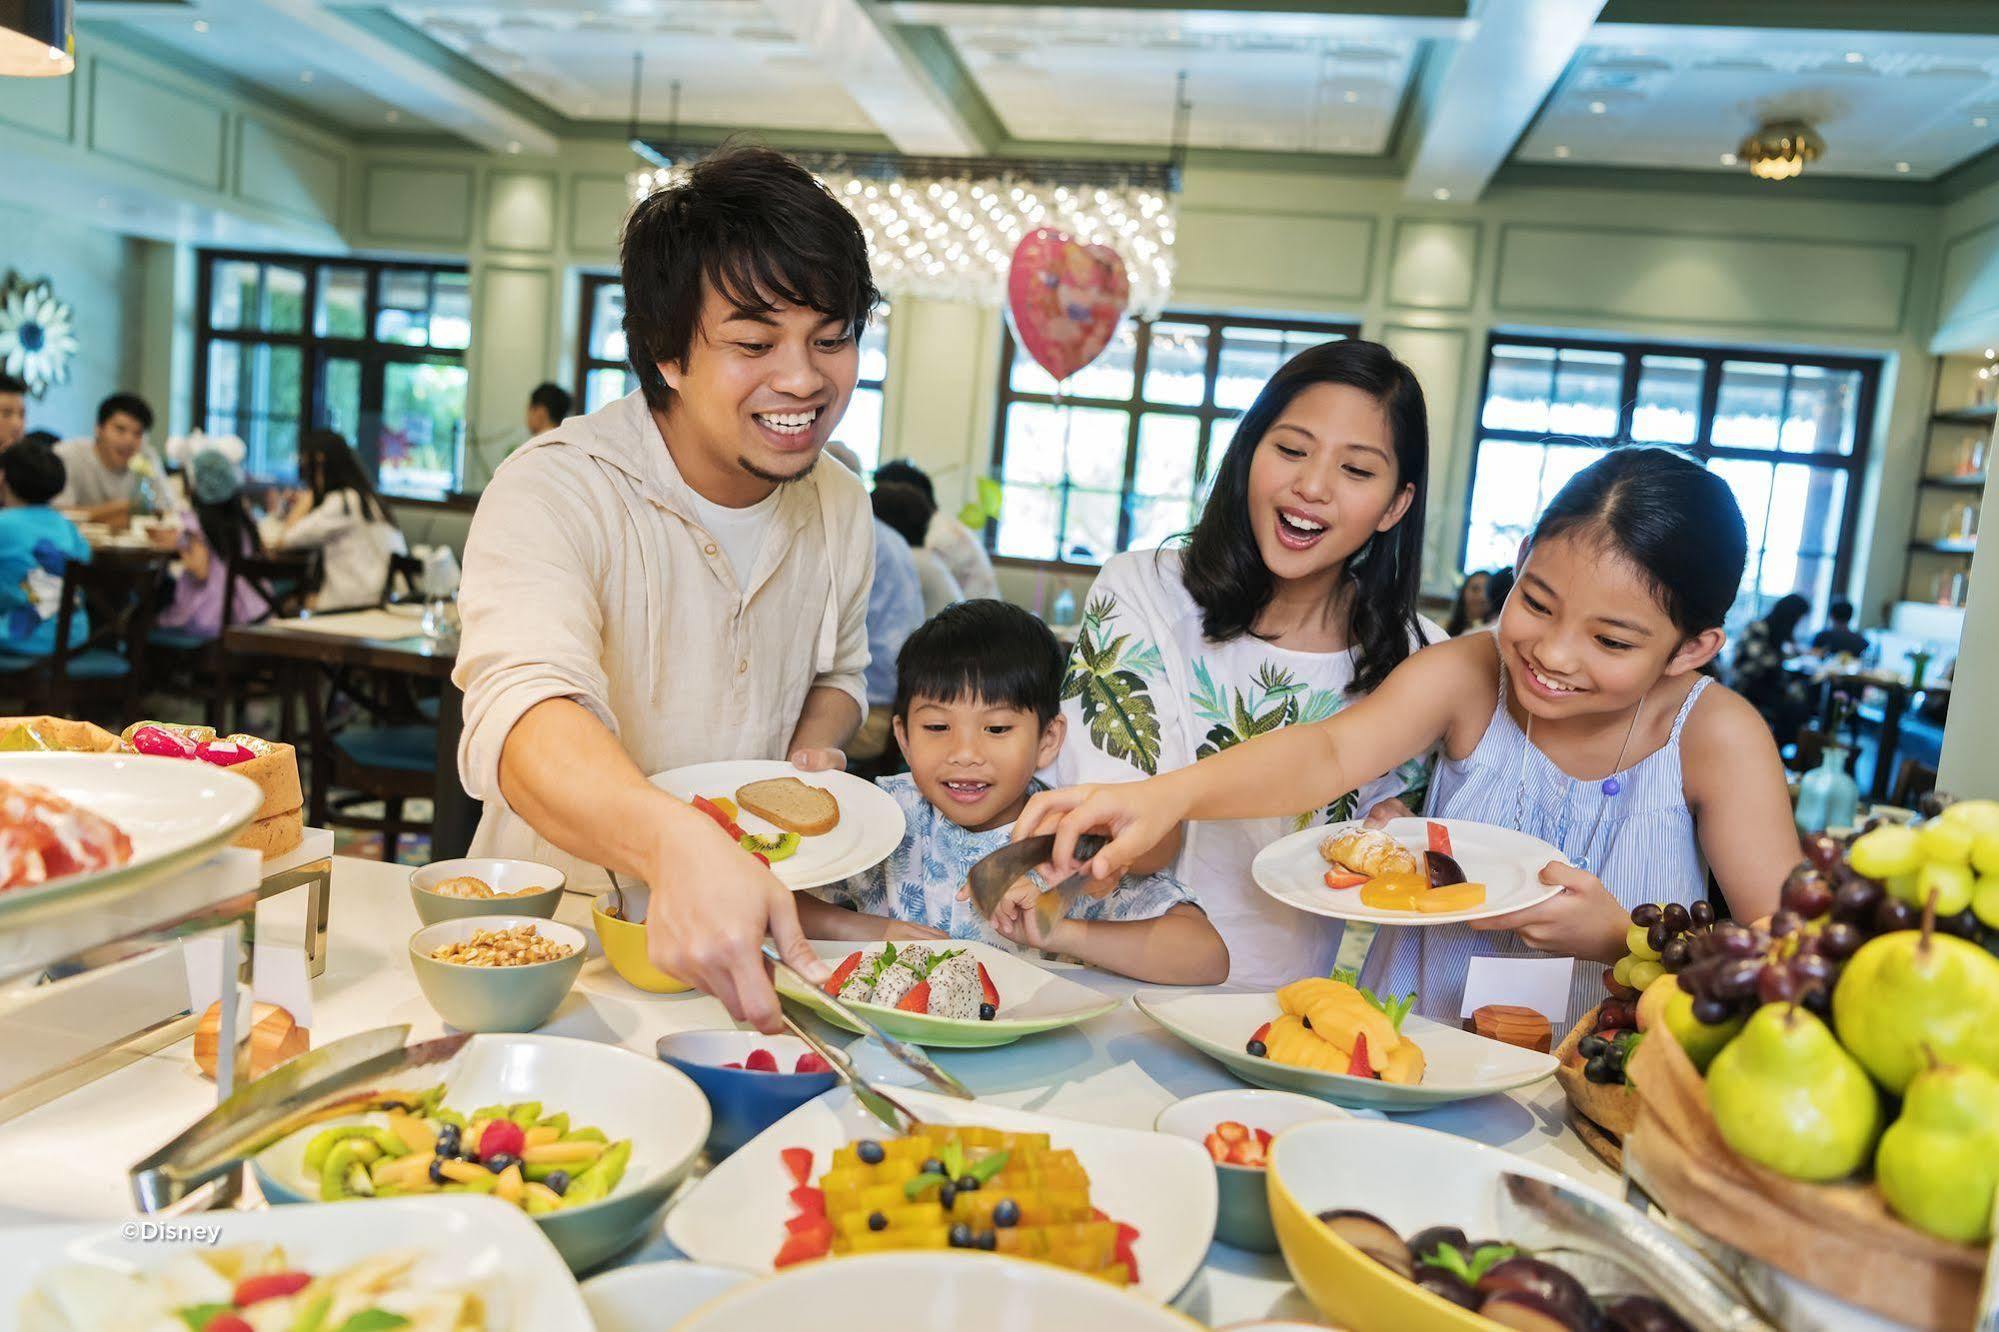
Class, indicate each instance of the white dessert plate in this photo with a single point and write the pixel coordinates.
(1508, 863)
(870, 827)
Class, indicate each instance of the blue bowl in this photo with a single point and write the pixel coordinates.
(743, 1103)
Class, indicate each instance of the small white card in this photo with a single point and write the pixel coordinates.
(278, 977)
(1539, 983)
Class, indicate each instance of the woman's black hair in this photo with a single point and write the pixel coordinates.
(985, 651)
(328, 466)
(1670, 517)
(903, 472)
(229, 528)
(756, 227)
(1461, 613)
(1783, 617)
(904, 508)
(1225, 573)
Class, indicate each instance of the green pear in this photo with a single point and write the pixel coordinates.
(1702, 1041)
(1784, 1094)
(1939, 1163)
(1909, 991)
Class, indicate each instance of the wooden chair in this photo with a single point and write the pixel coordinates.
(226, 681)
(103, 615)
(1913, 780)
(407, 570)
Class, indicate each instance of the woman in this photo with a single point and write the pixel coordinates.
(218, 530)
(1473, 608)
(340, 516)
(1759, 673)
(1294, 595)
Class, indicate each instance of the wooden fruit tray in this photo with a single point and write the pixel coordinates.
(1602, 1113)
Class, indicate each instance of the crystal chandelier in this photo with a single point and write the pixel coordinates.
(1780, 149)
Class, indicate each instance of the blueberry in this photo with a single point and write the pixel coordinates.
(557, 1182)
(988, 1240)
(1307, 1022)
(870, 1152)
(961, 1236)
(876, 1221)
(437, 1175)
(946, 1196)
(1257, 1049)
(499, 1161)
(1007, 1213)
(987, 1012)
(932, 1166)
(449, 1139)
(968, 1184)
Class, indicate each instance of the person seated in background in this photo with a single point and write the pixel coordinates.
(978, 708)
(1473, 607)
(338, 514)
(548, 407)
(1839, 638)
(909, 511)
(895, 609)
(113, 475)
(36, 546)
(1758, 673)
(215, 532)
(950, 540)
(13, 411)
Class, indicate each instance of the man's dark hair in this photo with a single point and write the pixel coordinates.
(986, 651)
(759, 229)
(903, 472)
(128, 404)
(553, 399)
(9, 384)
(33, 472)
(904, 508)
(1840, 612)
(48, 437)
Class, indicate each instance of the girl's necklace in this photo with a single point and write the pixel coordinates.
(1610, 786)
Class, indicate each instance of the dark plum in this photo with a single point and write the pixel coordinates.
(1443, 869)
(1426, 1242)
(1448, 1285)
(1373, 1237)
(1546, 1282)
(1641, 1313)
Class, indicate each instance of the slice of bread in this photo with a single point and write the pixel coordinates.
(809, 811)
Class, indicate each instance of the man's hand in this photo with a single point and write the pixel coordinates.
(818, 759)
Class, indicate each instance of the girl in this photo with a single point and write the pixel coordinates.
(340, 515)
(1473, 608)
(1294, 596)
(1584, 719)
(218, 530)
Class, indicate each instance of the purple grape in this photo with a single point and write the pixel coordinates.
(1964, 924)
(1676, 954)
(1736, 978)
(1823, 852)
(1657, 936)
(1733, 940)
(1774, 985)
(1892, 914)
(1698, 977)
(1809, 969)
(1840, 940)
(1818, 1000)
(1713, 1012)
(1677, 918)
(1855, 899)
(1645, 913)
(1786, 923)
(1702, 913)
(1807, 892)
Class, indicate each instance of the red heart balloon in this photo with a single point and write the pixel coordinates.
(1066, 299)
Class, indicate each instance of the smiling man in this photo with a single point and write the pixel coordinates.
(673, 579)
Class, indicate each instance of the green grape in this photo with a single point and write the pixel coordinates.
(1946, 843)
(1621, 973)
(1886, 852)
(1643, 973)
(1634, 942)
(1952, 885)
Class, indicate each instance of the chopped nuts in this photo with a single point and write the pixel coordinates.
(520, 946)
(467, 886)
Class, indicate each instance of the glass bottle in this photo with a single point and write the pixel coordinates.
(1828, 797)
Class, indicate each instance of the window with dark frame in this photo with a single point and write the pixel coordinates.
(371, 349)
(604, 371)
(1787, 431)
(1123, 459)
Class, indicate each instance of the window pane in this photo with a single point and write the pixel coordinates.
(1793, 513)
(1029, 517)
(253, 393)
(1752, 397)
(1090, 534)
(343, 303)
(451, 312)
(284, 299)
(1669, 400)
(1518, 389)
(1512, 484)
(607, 323)
(1166, 446)
(1824, 409)
(1220, 435)
(1045, 443)
(874, 350)
(606, 386)
(861, 428)
(1250, 356)
(233, 292)
(1176, 367)
(423, 418)
(1589, 387)
(340, 398)
(1109, 376)
(404, 317)
(1154, 522)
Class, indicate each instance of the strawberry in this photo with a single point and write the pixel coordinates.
(1249, 1152)
(808, 1199)
(226, 1322)
(798, 1162)
(1263, 1140)
(760, 1060)
(1335, 879)
(1440, 838)
(803, 1245)
(811, 1063)
(271, 1286)
(802, 1222)
(733, 1063)
(1231, 1132)
(1358, 1066)
(760, 858)
(1216, 1148)
(1127, 1236)
(917, 1000)
(841, 972)
(988, 992)
(1262, 1033)
(502, 1135)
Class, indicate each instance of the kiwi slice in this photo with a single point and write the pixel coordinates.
(774, 848)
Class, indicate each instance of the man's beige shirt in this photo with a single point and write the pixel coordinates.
(589, 577)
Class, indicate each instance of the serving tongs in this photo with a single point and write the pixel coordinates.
(995, 873)
(343, 1077)
(902, 1052)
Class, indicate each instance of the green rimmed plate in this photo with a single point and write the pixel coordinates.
(1031, 1001)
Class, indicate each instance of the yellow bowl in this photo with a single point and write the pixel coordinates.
(625, 944)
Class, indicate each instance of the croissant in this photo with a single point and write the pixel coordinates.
(1368, 851)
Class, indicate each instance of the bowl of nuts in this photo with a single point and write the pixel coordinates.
(497, 973)
(481, 886)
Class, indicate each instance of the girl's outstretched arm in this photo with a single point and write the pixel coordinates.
(1742, 807)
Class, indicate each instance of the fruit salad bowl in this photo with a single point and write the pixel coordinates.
(747, 1094)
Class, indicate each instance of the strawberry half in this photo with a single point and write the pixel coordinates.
(811, 1063)
(1127, 1236)
(917, 1000)
(1231, 1131)
(798, 1162)
(1251, 1153)
(226, 1322)
(502, 1135)
(1263, 1139)
(840, 974)
(270, 1286)
(804, 1245)
(1216, 1148)
(988, 992)
(1358, 1066)
(1440, 838)
(760, 1060)
(1335, 879)
(808, 1199)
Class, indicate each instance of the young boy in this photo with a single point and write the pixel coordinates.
(977, 711)
(36, 545)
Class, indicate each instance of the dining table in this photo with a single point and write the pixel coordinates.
(1899, 691)
(389, 639)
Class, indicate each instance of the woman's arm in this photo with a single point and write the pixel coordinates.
(308, 528)
(1735, 787)
(1180, 947)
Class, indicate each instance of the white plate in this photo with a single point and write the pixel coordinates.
(1031, 1001)
(603, 1086)
(177, 812)
(959, 1291)
(871, 823)
(651, 1296)
(1508, 863)
(1460, 1065)
(465, 1240)
(1164, 1186)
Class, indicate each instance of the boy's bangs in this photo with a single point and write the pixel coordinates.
(759, 277)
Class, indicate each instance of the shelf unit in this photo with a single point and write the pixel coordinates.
(1951, 488)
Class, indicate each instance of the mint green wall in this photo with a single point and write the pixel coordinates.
(101, 276)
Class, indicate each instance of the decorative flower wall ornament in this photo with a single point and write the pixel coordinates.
(37, 333)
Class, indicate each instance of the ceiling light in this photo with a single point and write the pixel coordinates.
(1351, 96)
(37, 38)
(1991, 354)
(1854, 57)
(305, 76)
(1902, 167)
(1780, 149)
(201, 25)
(1729, 159)
(1597, 108)
(1441, 196)
(1561, 150)
(1980, 122)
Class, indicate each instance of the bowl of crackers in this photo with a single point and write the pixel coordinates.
(497, 973)
(485, 886)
